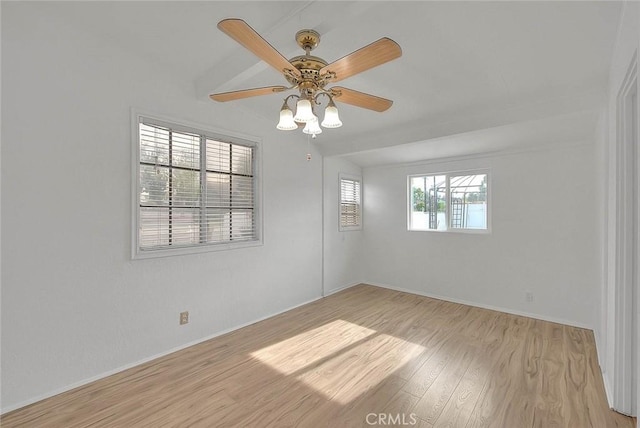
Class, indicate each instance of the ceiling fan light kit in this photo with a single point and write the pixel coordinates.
(304, 112)
(331, 118)
(312, 128)
(286, 122)
(310, 75)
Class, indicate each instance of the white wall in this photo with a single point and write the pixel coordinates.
(342, 250)
(74, 306)
(542, 238)
(627, 45)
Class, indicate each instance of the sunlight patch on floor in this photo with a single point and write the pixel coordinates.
(341, 360)
(305, 349)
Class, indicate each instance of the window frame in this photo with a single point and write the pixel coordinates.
(189, 127)
(448, 176)
(351, 177)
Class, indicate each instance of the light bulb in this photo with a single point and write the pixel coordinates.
(286, 119)
(312, 127)
(304, 113)
(331, 118)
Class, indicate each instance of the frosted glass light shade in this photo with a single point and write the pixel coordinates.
(312, 127)
(286, 120)
(331, 118)
(304, 113)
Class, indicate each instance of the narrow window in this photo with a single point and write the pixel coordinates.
(350, 203)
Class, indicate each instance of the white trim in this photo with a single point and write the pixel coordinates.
(135, 112)
(601, 353)
(342, 288)
(229, 330)
(195, 249)
(607, 388)
(146, 360)
(625, 267)
(253, 141)
(483, 306)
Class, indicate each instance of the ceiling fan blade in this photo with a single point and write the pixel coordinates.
(377, 53)
(246, 93)
(242, 33)
(360, 99)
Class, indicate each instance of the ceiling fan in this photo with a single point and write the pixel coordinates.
(310, 75)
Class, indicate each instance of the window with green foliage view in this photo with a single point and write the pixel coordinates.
(194, 189)
(448, 202)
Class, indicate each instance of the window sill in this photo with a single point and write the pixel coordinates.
(183, 251)
(350, 229)
(462, 231)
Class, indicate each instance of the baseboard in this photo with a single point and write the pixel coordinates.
(220, 333)
(339, 289)
(145, 360)
(600, 352)
(607, 388)
(484, 306)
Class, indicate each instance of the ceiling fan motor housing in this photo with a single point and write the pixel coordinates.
(308, 65)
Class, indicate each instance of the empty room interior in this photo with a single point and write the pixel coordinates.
(320, 214)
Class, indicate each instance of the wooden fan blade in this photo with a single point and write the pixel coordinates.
(242, 33)
(377, 53)
(246, 93)
(360, 99)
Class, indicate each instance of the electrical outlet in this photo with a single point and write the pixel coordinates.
(528, 296)
(184, 317)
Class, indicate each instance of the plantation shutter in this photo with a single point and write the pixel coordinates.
(350, 209)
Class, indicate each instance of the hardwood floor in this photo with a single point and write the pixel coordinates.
(364, 357)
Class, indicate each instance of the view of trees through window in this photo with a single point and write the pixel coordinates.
(193, 189)
(446, 201)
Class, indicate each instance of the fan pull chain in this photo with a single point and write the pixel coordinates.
(309, 137)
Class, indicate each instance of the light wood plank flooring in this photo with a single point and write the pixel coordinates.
(364, 357)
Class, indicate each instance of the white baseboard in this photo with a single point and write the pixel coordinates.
(327, 293)
(601, 352)
(607, 389)
(484, 306)
(337, 290)
(144, 360)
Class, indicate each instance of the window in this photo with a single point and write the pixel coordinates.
(350, 203)
(448, 202)
(195, 189)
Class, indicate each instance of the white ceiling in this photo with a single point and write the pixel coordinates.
(466, 66)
